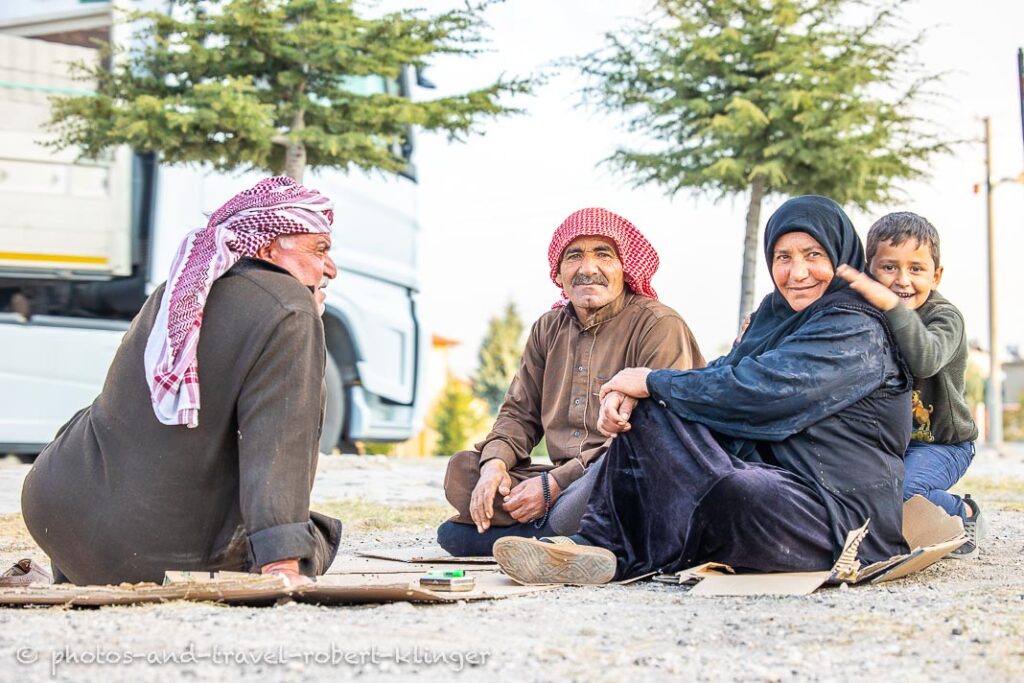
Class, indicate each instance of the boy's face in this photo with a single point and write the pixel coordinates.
(908, 270)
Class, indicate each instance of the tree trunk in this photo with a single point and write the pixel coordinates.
(295, 152)
(750, 240)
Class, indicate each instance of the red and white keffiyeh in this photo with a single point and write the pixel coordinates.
(639, 259)
(251, 220)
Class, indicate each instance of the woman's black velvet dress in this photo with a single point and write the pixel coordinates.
(765, 459)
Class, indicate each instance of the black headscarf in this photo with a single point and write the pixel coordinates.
(825, 221)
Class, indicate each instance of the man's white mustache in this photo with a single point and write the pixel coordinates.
(585, 280)
(323, 282)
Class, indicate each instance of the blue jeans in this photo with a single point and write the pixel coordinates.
(931, 468)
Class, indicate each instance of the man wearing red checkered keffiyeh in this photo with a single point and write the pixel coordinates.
(639, 259)
(248, 222)
(135, 483)
(608, 318)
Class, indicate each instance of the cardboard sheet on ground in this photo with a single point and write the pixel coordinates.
(356, 564)
(930, 533)
(236, 588)
(429, 554)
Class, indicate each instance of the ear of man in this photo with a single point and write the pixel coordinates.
(270, 250)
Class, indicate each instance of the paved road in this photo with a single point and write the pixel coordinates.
(412, 480)
(375, 478)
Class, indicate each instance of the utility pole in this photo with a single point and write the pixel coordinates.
(994, 399)
(1020, 84)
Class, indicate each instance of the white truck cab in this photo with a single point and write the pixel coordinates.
(82, 243)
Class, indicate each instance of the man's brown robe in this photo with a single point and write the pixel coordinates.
(555, 393)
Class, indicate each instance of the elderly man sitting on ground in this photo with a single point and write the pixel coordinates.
(148, 478)
(608, 319)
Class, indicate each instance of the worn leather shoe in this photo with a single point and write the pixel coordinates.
(554, 560)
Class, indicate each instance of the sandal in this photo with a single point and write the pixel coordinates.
(25, 572)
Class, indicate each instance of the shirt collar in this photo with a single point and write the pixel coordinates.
(603, 315)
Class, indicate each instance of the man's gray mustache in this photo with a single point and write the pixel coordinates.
(587, 280)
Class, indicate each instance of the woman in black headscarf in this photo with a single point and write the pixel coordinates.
(765, 459)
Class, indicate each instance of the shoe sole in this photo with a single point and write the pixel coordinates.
(970, 555)
(529, 561)
(980, 532)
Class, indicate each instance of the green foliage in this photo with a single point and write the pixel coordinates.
(499, 357)
(974, 386)
(766, 96)
(1013, 421)
(456, 419)
(378, 448)
(240, 83)
(780, 90)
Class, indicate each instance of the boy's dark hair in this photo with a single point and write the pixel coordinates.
(896, 228)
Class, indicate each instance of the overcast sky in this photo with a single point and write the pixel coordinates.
(488, 207)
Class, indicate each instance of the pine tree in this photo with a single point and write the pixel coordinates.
(456, 420)
(499, 357)
(275, 85)
(762, 97)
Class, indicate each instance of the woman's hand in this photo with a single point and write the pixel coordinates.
(877, 294)
(632, 382)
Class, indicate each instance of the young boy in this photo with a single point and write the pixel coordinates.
(903, 259)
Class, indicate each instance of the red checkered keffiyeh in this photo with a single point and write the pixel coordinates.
(251, 220)
(639, 259)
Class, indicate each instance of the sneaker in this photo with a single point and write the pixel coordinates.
(975, 529)
(554, 560)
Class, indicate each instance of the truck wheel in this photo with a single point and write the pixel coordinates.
(334, 413)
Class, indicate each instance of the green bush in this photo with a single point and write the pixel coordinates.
(456, 419)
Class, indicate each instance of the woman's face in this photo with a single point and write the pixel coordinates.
(801, 269)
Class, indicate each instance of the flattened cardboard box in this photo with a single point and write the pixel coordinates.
(381, 576)
(236, 588)
(359, 564)
(929, 531)
(423, 554)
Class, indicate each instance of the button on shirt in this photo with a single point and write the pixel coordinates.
(556, 391)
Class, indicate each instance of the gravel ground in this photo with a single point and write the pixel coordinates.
(955, 620)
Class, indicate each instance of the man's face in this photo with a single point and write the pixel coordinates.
(801, 269)
(591, 274)
(307, 257)
(908, 270)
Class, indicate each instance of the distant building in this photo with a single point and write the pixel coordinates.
(1013, 383)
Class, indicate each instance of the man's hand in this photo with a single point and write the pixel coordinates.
(877, 294)
(615, 411)
(632, 382)
(526, 502)
(493, 479)
(289, 569)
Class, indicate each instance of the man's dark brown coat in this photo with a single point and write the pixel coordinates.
(118, 496)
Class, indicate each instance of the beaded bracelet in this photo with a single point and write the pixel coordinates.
(547, 500)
